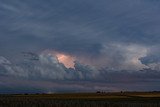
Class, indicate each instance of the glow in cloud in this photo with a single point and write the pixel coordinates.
(67, 60)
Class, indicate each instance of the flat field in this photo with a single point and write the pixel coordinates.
(116, 99)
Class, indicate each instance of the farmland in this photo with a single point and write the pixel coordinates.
(116, 99)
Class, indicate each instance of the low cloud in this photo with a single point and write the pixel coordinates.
(118, 56)
(48, 75)
(47, 67)
(152, 59)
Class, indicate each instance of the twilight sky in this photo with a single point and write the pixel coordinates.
(79, 45)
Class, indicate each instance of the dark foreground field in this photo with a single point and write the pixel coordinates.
(125, 99)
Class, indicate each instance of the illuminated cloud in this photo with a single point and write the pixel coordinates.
(83, 40)
(67, 60)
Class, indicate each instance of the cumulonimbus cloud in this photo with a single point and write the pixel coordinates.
(104, 37)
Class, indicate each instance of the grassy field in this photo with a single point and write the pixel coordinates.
(116, 99)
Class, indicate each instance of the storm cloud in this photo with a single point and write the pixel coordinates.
(108, 40)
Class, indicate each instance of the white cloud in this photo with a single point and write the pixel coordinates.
(118, 56)
(132, 53)
(47, 67)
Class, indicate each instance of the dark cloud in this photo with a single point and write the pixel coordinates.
(48, 75)
(150, 59)
(82, 79)
(56, 24)
(100, 34)
(48, 67)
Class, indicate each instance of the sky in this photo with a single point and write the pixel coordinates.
(49, 46)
